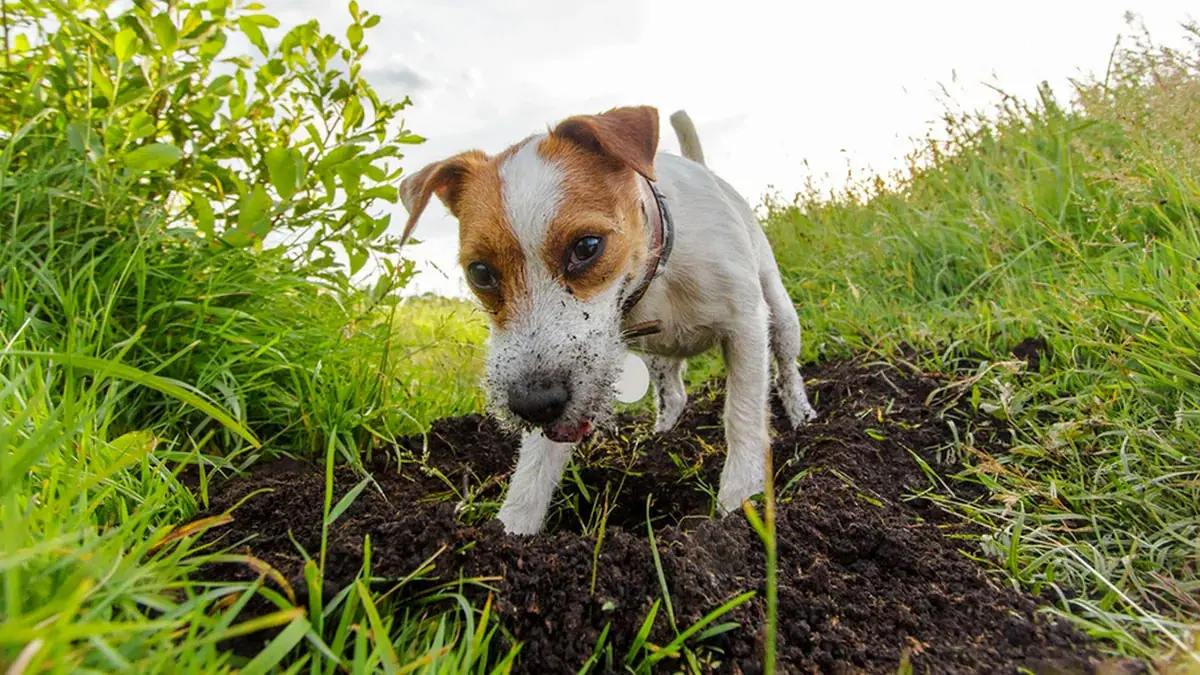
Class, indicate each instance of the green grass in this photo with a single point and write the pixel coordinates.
(131, 351)
(1080, 224)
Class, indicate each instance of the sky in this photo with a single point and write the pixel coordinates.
(780, 90)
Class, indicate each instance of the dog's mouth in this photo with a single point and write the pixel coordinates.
(568, 433)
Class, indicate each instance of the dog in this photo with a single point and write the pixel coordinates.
(584, 242)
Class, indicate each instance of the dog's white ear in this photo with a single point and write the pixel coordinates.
(444, 178)
(628, 135)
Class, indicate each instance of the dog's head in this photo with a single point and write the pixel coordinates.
(551, 232)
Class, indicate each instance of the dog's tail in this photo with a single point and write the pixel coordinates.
(689, 141)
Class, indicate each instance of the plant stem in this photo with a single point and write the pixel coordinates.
(772, 573)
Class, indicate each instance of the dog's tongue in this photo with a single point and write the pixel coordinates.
(568, 433)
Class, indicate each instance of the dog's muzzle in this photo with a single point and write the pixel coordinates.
(541, 401)
(538, 400)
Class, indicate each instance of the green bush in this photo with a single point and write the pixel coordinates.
(171, 296)
(180, 207)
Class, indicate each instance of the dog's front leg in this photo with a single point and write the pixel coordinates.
(669, 394)
(539, 468)
(747, 390)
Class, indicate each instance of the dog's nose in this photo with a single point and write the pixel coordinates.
(538, 401)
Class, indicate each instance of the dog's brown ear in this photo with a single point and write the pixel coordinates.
(628, 135)
(444, 178)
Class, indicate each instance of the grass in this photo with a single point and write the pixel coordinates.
(130, 354)
(1080, 225)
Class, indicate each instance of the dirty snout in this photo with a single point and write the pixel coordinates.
(555, 369)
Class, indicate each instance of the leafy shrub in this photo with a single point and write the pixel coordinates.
(294, 143)
(181, 207)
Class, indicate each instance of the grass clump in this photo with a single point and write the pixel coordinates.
(1077, 224)
(181, 231)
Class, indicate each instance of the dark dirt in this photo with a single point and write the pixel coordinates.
(869, 574)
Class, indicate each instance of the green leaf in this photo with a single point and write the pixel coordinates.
(337, 156)
(388, 193)
(165, 31)
(205, 219)
(346, 501)
(358, 257)
(381, 226)
(682, 638)
(281, 164)
(221, 85)
(211, 47)
(101, 81)
(351, 177)
(643, 634)
(381, 635)
(371, 21)
(141, 125)
(153, 157)
(125, 45)
(352, 115)
(121, 371)
(264, 20)
(76, 133)
(278, 649)
(133, 441)
(355, 35)
(253, 33)
(252, 208)
(383, 286)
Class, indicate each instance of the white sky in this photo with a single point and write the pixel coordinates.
(769, 84)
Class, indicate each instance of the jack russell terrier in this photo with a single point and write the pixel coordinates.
(584, 242)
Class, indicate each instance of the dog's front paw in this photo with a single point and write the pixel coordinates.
(733, 493)
(667, 420)
(670, 405)
(803, 416)
(517, 520)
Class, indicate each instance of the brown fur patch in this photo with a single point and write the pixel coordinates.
(600, 198)
(599, 155)
(442, 178)
(486, 236)
(627, 134)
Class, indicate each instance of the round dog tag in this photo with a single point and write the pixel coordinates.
(635, 379)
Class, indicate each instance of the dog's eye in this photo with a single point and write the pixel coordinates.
(583, 252)
(482, 277)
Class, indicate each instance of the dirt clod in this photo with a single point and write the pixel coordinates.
(870, 575)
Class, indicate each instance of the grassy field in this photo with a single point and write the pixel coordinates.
(132, 352)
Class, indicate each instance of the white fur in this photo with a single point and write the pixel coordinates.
(532, 486)
(721, 287)
(670, 397)
(531, 189)
(552, 334)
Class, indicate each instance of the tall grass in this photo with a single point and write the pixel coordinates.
(1078, 223)
(132, 349)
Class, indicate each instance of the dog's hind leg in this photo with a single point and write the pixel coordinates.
(747, 391)
(785, 344)
(669, 395)
(539, 468)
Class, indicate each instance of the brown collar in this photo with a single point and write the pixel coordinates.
(662, 237)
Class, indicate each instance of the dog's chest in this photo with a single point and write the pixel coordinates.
(681, 334)
(679, 344)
